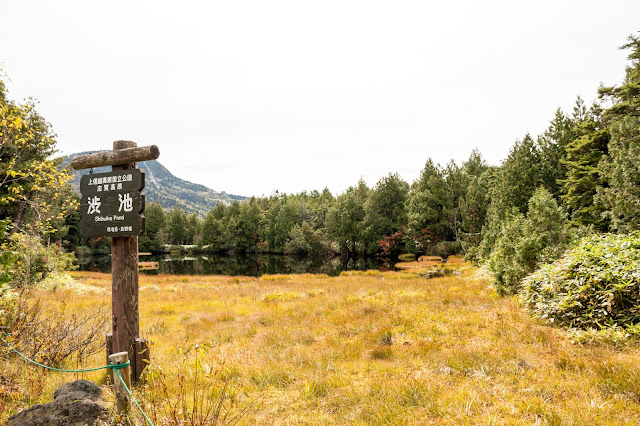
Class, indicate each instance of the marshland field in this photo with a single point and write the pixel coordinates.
(363, 348)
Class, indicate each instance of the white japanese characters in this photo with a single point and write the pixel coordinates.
(126, 203)
(94, 205)
(111, 229)
(111, 179)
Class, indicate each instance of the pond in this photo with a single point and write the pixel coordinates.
(248, 265)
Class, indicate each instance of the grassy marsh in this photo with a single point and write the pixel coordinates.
(363, 348)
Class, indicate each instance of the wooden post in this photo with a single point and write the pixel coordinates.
(108, 343)
(124, 242)
(142, 358)
(124, 281)
(122, 397)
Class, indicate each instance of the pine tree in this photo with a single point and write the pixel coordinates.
(626, 97)
(583, 155)
(385, 210)
(177, 226)
(511, 186)
(622, 168)
(154, 222)
(518, 176)
(473, 206)
(345, 220)
(427, 206)
(552, 146)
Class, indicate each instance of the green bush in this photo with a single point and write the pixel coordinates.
(303, 240)
(523, 243)
(596, 284)
(32, 261)
(445, 249)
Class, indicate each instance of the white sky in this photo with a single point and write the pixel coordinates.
(251, 96)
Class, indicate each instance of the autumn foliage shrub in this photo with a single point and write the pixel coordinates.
(596, 284)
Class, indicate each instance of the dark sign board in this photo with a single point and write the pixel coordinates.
(112, 204)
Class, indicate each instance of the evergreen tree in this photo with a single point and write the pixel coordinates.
(304, 240)
(626, 97)
(177, 226)
(583, 155)
(427, 206)
(622, 169)
(511, 186)
(474, 201)
(154, 223)
(552, 146)
(193, 230)
(345, 220)
(242, 229)
(519, 176)
(385, 210)
(213, 228)
(473, 207)
(281, 218)
(475, 164)
(524, 242)
(321, 204)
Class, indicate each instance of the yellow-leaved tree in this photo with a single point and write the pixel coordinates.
(35, 195)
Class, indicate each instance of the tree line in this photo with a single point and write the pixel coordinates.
(389, 218)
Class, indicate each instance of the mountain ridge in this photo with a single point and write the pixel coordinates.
(164, 187)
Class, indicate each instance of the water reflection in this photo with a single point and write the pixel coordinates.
(249, 265)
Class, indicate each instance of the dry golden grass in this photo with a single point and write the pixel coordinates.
(370, 348)
(430, 259)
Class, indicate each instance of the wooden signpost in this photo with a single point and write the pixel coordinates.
(112, 206)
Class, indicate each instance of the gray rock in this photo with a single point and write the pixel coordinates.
(77, 403)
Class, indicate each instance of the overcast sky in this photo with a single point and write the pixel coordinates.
(252, 96)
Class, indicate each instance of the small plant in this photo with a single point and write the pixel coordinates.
(385, 338)
(315, 292)
(316, 389)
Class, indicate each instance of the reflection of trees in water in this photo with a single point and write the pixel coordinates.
(250, 265)
(95, 263)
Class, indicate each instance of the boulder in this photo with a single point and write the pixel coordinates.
(77, 403)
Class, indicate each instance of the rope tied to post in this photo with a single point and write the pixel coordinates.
(115, 367)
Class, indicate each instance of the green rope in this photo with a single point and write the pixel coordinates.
(132, 398)
(115, 367)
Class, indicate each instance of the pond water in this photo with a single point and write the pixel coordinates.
(248, 265)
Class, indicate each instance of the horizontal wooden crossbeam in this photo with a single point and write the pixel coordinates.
(111, 158)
